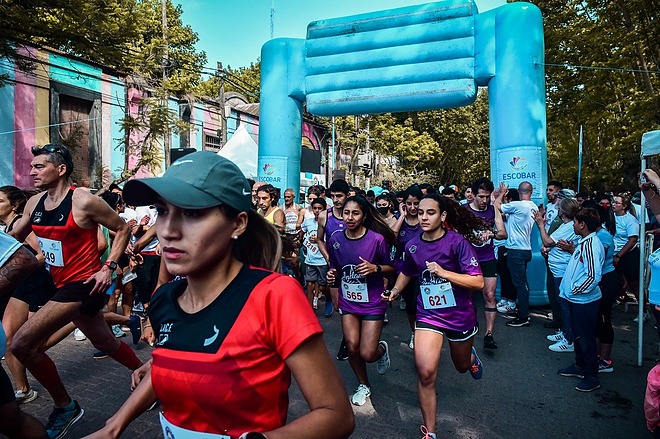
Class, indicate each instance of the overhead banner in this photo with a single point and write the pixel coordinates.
(515, 165)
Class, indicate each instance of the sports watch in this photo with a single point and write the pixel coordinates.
(112, 265)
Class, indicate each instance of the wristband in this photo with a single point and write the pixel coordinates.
(379, 269)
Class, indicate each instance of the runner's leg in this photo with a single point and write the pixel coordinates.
(370, 349)
(351, 327)
(16, 314)
(428, 347)
(490, 310)
(100, 334)
(29, 339)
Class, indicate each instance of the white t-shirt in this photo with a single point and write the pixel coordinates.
(137, 214)
(314, 257)
(550, 215)
(519, 223)
(557, 258)
(626, 226)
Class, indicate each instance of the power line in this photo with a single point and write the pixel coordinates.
(54, 125)
(609, 69)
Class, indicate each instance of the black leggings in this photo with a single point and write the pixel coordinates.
(609, 285)
(507, 290)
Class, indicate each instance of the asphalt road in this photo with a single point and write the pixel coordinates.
(520, 395)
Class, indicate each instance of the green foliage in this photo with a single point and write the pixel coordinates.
(437, 147)
(154, 121)
(615, 107)
(122, 34)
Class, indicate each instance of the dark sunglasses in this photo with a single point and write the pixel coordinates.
(57, 149)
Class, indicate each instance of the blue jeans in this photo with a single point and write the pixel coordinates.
(584, 317)
(517, 262)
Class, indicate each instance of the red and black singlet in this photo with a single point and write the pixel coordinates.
(222, 370)
(70, 251)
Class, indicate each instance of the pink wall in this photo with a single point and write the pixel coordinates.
(24, 124)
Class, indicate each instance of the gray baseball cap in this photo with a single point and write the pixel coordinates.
(196, 181)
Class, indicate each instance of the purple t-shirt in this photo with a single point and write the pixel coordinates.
(406, 233)
(359, 294)
(485, 252)
(332, 225)
(440, 302)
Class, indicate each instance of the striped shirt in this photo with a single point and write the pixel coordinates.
(584, 271)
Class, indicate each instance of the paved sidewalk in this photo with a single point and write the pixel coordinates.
(520, 395)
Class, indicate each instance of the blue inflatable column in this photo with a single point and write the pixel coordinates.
(280, 112)
(516, 95)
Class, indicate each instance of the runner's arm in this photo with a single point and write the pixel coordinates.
(499, 221)
(401, 283)
(330, 414)
(31, 240)
(470, 281)
(23, 226)
(320, 235)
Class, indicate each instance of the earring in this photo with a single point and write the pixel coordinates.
(234, 237)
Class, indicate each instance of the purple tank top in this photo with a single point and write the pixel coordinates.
(333, 224)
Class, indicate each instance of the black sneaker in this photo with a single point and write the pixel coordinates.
(61, 419)
(489, 342)
(572, 371)
(518, 322)
(588, 384)
(342, 355)
(135, 326)
(510, 315)
(98, 355)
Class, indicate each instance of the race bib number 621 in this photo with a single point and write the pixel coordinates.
(437, 296)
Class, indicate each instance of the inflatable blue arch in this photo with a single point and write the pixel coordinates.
(415, 58)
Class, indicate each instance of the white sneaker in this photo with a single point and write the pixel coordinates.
(411, 344)
(383, 363)
(402, 304)
(507, 307)
(361, 394)
(502, 302)
(557, 336)
(562, 346)
(315, 302)
(25, 397)
(78, 335)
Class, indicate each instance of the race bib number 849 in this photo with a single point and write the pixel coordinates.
(52, 251)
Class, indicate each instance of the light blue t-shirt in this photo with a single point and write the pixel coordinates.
(608, 243)
(558, 258)
(654, 286)
(519, 223)
(8, 247)
(314, 256)
(626, 226)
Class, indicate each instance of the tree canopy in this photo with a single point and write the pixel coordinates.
(125, 35)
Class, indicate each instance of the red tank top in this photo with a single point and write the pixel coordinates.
(70, 251)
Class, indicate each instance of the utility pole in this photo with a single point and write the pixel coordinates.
(167, 141)
(221, 100)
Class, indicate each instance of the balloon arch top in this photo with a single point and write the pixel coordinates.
(421, 57)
